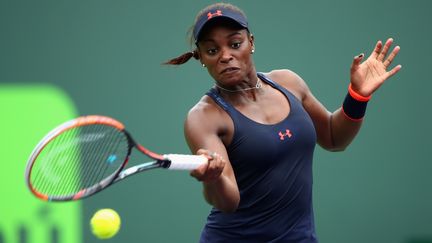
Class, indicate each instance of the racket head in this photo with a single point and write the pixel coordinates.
(78, 158)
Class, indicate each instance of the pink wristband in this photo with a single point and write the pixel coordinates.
(357, 96)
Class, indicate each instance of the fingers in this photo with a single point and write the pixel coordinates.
(212, 170)
(384, 51)
(356, 62)
(377, 50)
(380, 52)
(393, 71)
(392, 55)
(215, 166)
(205, 152)
(388, 61)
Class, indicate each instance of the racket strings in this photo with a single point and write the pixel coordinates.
(71, 185)
(54, 170)
(66, 167)
(83, 166)
(112, 150)
(90, 166)
(79, 158)
(104, 158)
(116, 143)
(47, 175)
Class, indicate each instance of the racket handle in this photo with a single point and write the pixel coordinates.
(185, 162)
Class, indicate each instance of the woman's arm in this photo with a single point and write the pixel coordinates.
(202, 132)
(336, 130)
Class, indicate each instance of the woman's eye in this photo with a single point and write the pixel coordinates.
(212, 51)
(236, 45)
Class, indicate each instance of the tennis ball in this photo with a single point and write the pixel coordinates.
(105, 223)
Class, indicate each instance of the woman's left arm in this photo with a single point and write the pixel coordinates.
(336, 130)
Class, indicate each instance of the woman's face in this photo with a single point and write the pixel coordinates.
(226, 52)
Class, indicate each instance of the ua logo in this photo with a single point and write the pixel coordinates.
(286, 134)
(211, 15)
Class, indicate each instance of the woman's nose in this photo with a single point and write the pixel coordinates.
(226, 55)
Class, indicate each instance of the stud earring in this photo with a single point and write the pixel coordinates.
(253, 50)
(203, 65)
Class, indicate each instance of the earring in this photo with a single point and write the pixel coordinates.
(253, 50)
(203, 65)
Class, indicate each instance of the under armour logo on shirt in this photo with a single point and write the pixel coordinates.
(287, 134)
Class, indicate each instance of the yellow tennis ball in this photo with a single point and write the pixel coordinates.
(105, 223)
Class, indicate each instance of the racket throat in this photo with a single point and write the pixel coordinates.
(141, 167)
(165, 163)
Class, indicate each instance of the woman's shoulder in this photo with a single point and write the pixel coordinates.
(206, 117)
(289, 80)
(284, 76)
(205, 109)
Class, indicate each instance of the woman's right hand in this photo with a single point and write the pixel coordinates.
(212, 170)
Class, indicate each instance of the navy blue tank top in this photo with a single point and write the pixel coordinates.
(273, 169)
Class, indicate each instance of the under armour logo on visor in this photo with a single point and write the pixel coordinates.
(286, 134)
(211, 15)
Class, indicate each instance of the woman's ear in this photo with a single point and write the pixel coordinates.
(196, 54)
(252, 42)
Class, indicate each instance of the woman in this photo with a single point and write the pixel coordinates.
(259, 131)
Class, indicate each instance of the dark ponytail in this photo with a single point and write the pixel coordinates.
(182, 58)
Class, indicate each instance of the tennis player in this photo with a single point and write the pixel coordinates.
(260, 131)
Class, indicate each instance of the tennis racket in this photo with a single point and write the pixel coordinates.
(86, 155)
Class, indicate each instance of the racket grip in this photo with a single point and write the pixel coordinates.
(185, 161)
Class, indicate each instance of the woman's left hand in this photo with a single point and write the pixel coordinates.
(368, 76)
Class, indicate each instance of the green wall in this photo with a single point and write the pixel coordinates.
(29, 111)
(106, 55)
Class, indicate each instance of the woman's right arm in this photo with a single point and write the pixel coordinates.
(202, 129)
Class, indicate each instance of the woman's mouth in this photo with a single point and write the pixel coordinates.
(229, 70)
